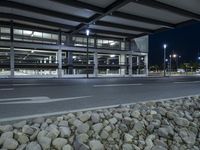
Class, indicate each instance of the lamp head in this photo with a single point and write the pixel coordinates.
(165, 46)
(87, 32)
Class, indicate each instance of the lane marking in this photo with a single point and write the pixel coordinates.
(20, 84)
(116, 85)
(7, 89)
(42, 101)
(10, 119)
(24, 98)
(182, 82)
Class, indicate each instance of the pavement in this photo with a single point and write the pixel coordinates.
(21, 98)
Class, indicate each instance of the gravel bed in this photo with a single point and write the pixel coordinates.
(158, 125)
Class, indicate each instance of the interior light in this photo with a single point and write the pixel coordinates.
(112, 55)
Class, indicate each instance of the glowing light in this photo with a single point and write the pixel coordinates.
(165, 46)
(87, 32)
(112, 56)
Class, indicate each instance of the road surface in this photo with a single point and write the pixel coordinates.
(26, 97)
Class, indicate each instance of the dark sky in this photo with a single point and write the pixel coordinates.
(184, 41)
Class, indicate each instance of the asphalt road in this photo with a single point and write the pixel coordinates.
(22, 97)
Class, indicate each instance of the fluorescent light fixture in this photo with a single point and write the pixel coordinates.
(112, 55)
(87, 32)
(74, 57)
(27, 32)
(112, 43)
(165, 46)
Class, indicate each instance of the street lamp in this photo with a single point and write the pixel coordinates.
(174, 55)
(87, 34)
(164, 46)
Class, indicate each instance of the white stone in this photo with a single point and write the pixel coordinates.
(6, 128)
(45, 142)
(83, 128)
(127, 147)
(181, 121)
(59, 143)
(82, 138)
(27, 130)
(97, 127)
(53, 133)
(85, 117)
(77, 123)
(96, 145)
(113, 120)
(67, 147)
(135, 114)
(95, 117)
(10, 144)
(21, 147)
(19, 124)
(33, 146)
(65, 131)
(128, 138)
(139, 126)
(23, 138)
(104, 134)
(39, 120)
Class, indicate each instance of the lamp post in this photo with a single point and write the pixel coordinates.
(87, 67)
(170, 64)
(164, 46)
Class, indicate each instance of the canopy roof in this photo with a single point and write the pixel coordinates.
(117, 18)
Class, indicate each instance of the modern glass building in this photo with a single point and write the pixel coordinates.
(48, 38)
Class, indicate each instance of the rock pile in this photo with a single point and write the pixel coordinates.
(166, 125)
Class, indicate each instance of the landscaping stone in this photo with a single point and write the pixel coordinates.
(161, 125)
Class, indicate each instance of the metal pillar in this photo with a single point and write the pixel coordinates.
(59, 56)
(138, 64)
(95, 64)
(130, 69)
(87, 65)
(146, 64)
(70, 62)
(12, 53)
(122, 64)
(164, 61)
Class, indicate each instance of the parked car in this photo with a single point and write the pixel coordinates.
(180, 70)
(198, 71)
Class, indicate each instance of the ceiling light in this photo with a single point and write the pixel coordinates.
(112, 55)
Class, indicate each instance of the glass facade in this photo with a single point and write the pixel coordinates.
(4, 33)
(39, 61)
(35, 36)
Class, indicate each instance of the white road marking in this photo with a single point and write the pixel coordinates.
(20, 84)
(41, 101)
(7, 89)
(24, 98)
(8, 119)
(186, 82)
(116, 85)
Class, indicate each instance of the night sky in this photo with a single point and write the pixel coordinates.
(184, 40)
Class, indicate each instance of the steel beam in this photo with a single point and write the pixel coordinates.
(113, 33)
(34, 20)
(108, 10)
(51, 13)
(125, 27)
